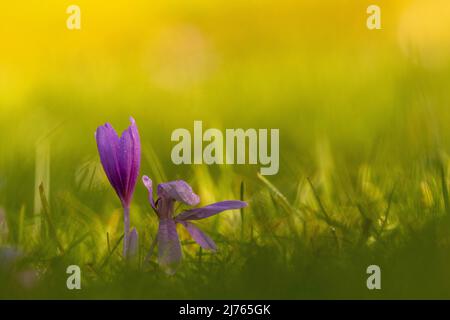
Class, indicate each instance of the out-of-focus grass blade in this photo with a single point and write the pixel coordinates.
(283, 201)
(280, 199)
(77, 242)
(41, 175)
(21, 224)
(157, 171)
(200, 253)
(325, 216)
(4, 229)
(88, 217)
(150, 252)
(111, 253)
(108, 242)
(387, 212)
(46, 213)
(444, 188)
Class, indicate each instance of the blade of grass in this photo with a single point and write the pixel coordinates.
(107, 242)
(290, 211)
(444, 188)
(200, 253)
(283, 201)
(150, 252)
(111, 253)
(77, 242)
(156, 169)
(332, 224)
(325, 216)
(367, 225)
(91, 180)
(21, 223)
(84, 214)
(46, 213)
(387, 212)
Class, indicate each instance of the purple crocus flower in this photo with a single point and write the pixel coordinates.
(121, 159)
(169, 249)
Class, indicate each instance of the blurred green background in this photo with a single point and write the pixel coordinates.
(363, 145)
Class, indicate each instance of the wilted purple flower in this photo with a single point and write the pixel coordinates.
(121, 159)
(169, 249)
(8, 257)
(11, 263)
(27, 278)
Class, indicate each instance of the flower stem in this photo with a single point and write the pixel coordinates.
(126, 224)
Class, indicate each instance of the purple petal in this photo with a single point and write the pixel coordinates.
(169, 248)
(148, 184)
(108, 146)
(129, 159)
(210, 210)
(136, 162)
(201, 238)
(178, 190)
(133, 244)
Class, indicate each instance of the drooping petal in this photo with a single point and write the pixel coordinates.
(199, 236)
(165, 204)
(178, 190)
(148, 184)
(108, 147)
(125, 157)
(210, 210)
(169, 248)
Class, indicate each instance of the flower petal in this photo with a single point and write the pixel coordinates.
(133, 244)
(169, 248)
(201, 238)
(210, 210)
(108, 146)
(149, 185)
(129, 159)
(120, 158)
(178, 190)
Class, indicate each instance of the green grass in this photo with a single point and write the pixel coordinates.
(314, 244)
(364, 145)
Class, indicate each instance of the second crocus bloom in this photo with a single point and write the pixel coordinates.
(169, 248)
